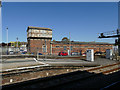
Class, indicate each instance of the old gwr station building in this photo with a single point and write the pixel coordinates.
(39, 40)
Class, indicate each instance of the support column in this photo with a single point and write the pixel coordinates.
(51, 48)
(119, 46)
(118, 31)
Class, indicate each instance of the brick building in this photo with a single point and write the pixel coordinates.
(39, 40)
(79, 47)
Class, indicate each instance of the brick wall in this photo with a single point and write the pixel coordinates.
(56, 48)
(37, 45)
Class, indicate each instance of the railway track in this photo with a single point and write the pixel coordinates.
(107, 69)
(58, 80)
(44, 68)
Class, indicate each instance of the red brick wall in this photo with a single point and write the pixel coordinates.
(78, 47)
(37, 44)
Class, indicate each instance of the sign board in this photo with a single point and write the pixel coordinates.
(90, 55)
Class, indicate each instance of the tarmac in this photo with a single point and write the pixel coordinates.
(30, 62)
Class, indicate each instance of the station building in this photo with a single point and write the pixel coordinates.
(39, 41)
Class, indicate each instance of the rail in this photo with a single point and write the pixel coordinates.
(57, 80)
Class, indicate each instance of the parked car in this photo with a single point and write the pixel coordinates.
(62, 54)
(97, 53)
(74, 53)
(24, 52)
(32, 53)
(84, 54)
(11, 52)
(39, 53)
(21, 50)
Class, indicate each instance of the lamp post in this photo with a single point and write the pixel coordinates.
(17, 43)
(69, 45)
(7, 38)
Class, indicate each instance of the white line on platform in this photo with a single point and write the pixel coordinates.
(25, 67)
(39, 61)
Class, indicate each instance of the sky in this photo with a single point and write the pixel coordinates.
(84, 20)
(60, 0)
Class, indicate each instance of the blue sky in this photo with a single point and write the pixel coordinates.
(83, 20)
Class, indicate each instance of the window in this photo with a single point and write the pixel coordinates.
(32, 35)
(44, 48)
(71, 47)
(29, 30)
(39, 35)
(65, 47)
(36, 31)
(35, 35)
(43, 31)
(29, 35)
(77, 46)
(57, 46)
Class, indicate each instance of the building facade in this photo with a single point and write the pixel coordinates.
(39, 41)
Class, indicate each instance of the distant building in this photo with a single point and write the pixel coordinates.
(39, 40)
(12, 47)
(14, 44)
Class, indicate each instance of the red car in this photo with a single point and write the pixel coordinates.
(62, 54)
